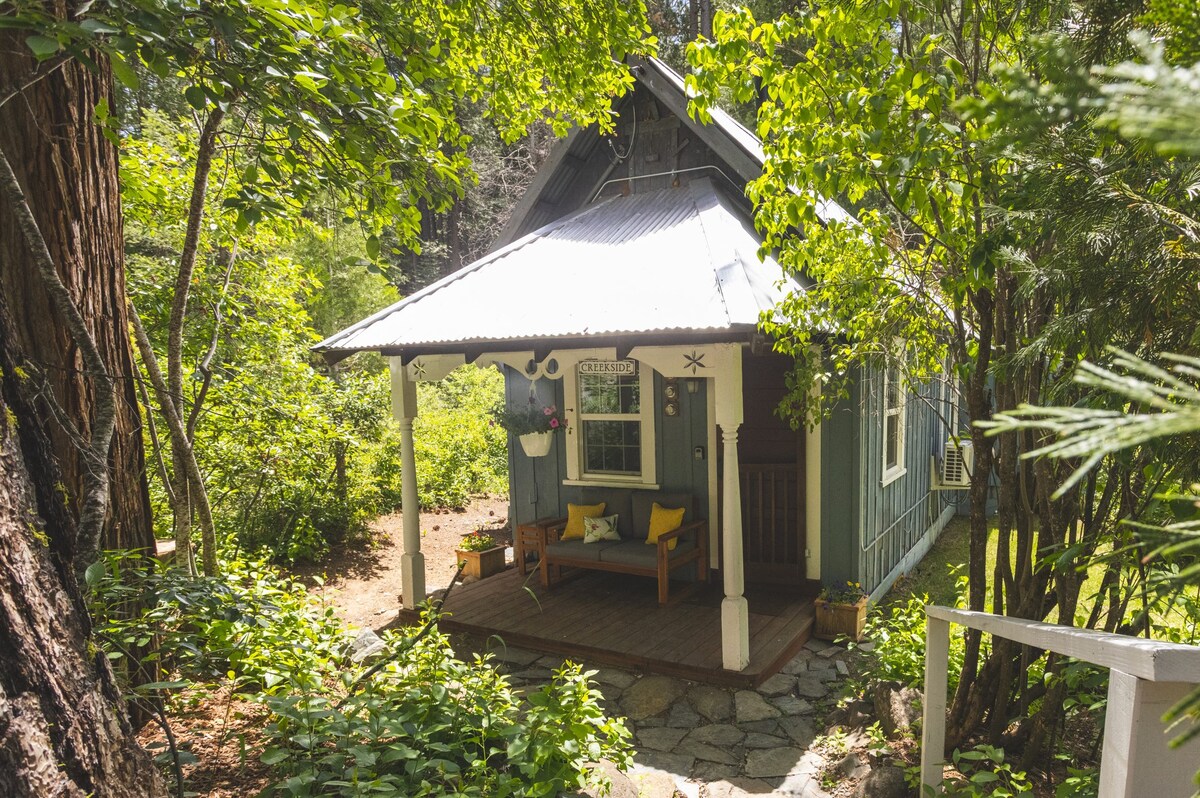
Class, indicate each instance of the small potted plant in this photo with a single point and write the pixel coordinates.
(481, 553)
(841, 610)
(534, 426)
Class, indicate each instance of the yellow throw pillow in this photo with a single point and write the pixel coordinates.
(662, 521)
(575, 515)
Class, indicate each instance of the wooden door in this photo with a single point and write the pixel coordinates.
(771, 475)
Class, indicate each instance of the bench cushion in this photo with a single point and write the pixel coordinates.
(578, 550)
(643, 502)
(639, 554)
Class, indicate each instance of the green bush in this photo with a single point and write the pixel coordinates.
(985, 774)
(250, 625)
(427, 723)
(431, 724)
(898, 634)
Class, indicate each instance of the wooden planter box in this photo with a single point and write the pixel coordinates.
(481, 564)
(835, 620)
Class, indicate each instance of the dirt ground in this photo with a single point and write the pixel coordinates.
(362, 582)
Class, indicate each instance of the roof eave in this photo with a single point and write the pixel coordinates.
(735, 333)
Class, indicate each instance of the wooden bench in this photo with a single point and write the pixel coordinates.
(631, 554)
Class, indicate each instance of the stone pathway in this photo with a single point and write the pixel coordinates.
(698, 741)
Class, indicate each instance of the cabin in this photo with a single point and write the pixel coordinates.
(627, 290)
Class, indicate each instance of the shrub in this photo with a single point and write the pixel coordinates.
(898, 634)
(250, 625)
(985, 775)
(431, 724)
(427, 723)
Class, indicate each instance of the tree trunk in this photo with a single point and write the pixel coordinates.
(63, 727)
(68, 171)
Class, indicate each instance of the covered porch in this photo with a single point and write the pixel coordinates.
(668, 286)
(612, 619)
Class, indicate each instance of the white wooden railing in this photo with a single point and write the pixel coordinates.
(1146, 678)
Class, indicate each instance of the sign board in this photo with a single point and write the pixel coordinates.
(608, 368)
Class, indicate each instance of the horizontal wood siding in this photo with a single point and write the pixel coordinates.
(894, 517)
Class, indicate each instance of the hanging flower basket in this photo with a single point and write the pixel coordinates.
(537, 444)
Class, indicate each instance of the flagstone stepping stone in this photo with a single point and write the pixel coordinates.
(818, 664)
(616, 678)
(718, 734)
(739, 787)
(534, 674)
(769, 726)
(707, 753)
(672, 764)
(814, 645)
(647, 723)
(779, 684)
(799, 785)
(821, 675)
(750, 706)
(760, 740)
(713, 703)
(649, 696)
(661, 738)
(830, 652)
(798, 664)
(800, 730)
(767, 762)
(842, 668)
(715, 771)
(683, 716)
(810, 687)
(790, 705)
(550, 661)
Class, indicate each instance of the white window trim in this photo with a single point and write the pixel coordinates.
(894, 473)
(576, 475)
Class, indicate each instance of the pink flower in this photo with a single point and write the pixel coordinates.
(554, 423)
(546, 411)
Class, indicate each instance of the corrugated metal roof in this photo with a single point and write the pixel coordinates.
(681, 259)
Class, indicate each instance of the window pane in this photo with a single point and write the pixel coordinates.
(612, 447)
(601, 393)
(891, 440)
(892, 394)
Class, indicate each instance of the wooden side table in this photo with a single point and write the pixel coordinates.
(527, 539)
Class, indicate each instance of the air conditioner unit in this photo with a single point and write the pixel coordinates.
(958, 463)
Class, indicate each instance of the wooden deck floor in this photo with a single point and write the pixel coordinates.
(616, 620)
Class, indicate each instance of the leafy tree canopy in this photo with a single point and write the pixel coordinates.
(359, 99)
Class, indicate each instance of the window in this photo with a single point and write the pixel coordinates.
(893, 426)
(611, 422)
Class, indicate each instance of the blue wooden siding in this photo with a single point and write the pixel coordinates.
(840, 455)
(535, 483)
(894, 517)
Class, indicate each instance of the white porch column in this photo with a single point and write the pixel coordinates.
(412, 561)
(735, 612)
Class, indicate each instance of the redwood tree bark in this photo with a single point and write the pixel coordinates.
(68, 171)
(63, 730)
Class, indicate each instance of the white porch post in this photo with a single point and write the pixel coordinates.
(412, 561)
(735, 612)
